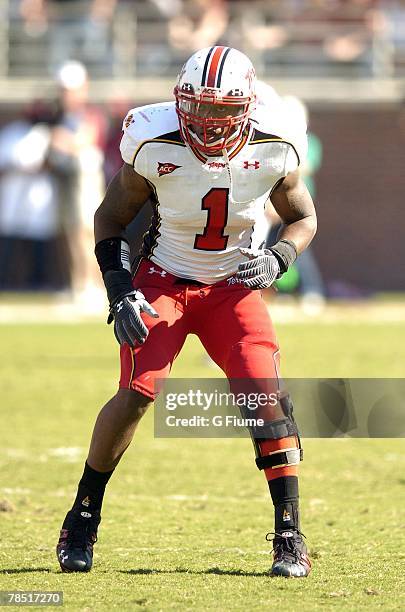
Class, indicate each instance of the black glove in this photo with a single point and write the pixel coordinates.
(126, 314)
(260, 271)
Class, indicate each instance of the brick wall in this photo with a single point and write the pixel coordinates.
(361, 196)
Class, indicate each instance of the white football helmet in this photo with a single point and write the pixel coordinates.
(215, 94)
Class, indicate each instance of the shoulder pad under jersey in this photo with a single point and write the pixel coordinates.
(273, 115)
(146, 123)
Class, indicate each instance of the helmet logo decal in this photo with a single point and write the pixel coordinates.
(166, 168)
(209, 91)
(236, 92)
(187, 87)
(250, 76)
(128, 120)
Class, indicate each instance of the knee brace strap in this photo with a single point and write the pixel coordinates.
(280, 458)
(274, 430)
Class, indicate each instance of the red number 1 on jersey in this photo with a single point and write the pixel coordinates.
(212, 238)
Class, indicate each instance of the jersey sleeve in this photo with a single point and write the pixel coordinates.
(299, 141)
(286, 121)
(295, 127)
(292, 161)
(132, 140)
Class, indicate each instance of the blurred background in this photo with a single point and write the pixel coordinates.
(69, 71)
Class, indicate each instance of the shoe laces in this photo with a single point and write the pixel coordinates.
(81, 531)
(286, 548)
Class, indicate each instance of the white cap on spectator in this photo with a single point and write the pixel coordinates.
(72, 75)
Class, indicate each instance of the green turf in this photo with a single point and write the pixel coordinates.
(184, 520)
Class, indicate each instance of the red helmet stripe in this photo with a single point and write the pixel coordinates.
(221, 67)
(212, 72)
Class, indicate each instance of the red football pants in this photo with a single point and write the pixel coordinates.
(231, 321)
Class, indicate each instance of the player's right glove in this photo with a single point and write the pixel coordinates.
(126, 314)
(126, 303)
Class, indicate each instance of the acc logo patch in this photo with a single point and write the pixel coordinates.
(166, 168)
(128, 120)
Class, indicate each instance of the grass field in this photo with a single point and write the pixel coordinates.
(184, 521)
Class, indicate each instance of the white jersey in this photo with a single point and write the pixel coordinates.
(206, 208)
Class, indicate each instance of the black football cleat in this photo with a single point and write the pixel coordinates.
(76, 540)
(290, 555)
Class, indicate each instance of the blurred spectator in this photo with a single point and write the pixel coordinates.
(76, 29)
(34, 16)
(116, 111)
(258, 31)
(198, 24)
(311, 284)
(81, 30)
(51, 183)
(28, 202)
(77, 144)
(310, 37)
(293, 114)
(153, 52)
(345, 31)
(302, 38)
(359, 27)
(169, 30)
(394, 13)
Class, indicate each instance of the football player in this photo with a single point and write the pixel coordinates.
(209, 161)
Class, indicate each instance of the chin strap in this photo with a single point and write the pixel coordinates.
(225, 155)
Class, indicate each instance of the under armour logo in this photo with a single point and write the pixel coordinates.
(255, 165)
(236, 92)
(152, 270)
(120, 306)
(62, 556)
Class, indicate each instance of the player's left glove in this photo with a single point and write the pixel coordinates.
(266, 265)
(260, 271)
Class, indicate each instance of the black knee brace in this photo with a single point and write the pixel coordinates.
(275, 430)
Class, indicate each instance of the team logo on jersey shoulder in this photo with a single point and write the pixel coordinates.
(166, 168)
(128, 120)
